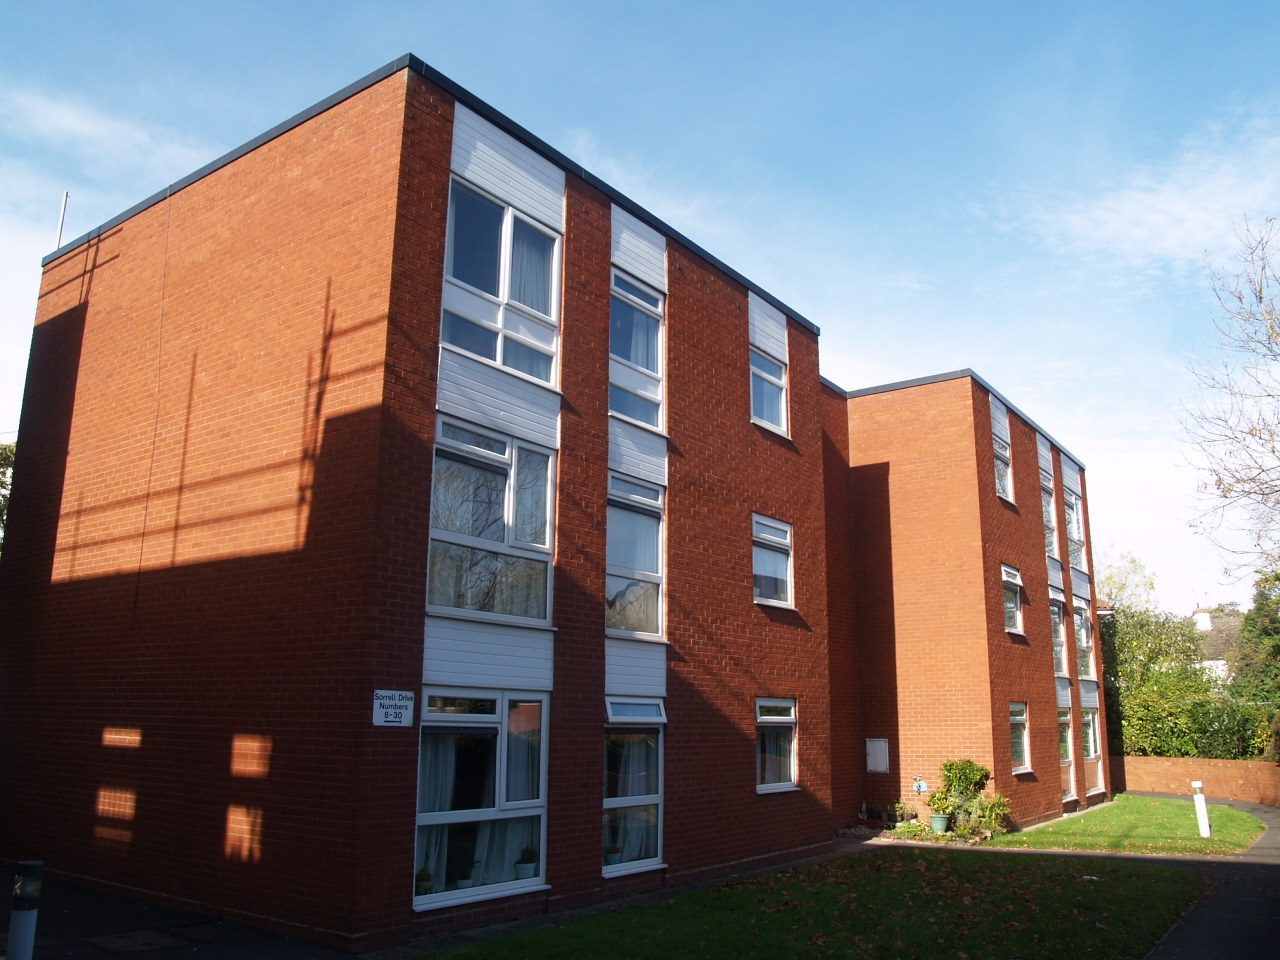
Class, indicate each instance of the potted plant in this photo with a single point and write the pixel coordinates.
(902, 812)
(943, 805)
(612, 854)
(464, 878)
(527, 865)
(423, 884)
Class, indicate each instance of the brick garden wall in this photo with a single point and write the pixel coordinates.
(1248, 780)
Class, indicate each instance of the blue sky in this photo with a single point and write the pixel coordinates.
(1029, 190)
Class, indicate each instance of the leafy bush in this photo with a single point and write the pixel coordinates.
(960, 797)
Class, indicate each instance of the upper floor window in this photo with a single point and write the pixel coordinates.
(502, 302)
(1075, 528)
(633, 552)
(635, 349)
(491, 539)
(1004, 470)
(1084, 643)
(771, 560)
(1012, 584)
(1049, 509)
(1057, 616)
(768, 390)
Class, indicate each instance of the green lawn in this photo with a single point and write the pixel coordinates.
(1142, 825)
(891, 902)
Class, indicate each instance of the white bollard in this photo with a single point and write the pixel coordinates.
(1202, 810)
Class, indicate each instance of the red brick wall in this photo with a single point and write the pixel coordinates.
(1248, 780)
(209, 575)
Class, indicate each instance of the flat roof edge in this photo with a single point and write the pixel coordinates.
(494, 116)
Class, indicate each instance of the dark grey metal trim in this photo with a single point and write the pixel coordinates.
(496, 117)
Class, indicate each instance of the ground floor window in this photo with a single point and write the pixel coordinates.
(775, 744)
(632, 821)
(1089, 725)
(481, 793)
(1064, 754)
(1018, 737)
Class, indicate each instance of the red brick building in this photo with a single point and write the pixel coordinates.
(410, 532)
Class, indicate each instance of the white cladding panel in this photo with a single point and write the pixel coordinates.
(636, 668)
(768, 327)
(469, 653)
(999, 418)
(491, 397)
(639, 249)
(636, 452)
(497, 162)
(1080, 585)
(1089, 694)
(1044, 451)
(1064, 693)
(1055, 573)
(1071, 475)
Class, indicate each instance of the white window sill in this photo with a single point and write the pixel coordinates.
(771, 427)
(780, 604)
(1016, 633)
(1095, 791)
(649, 427)
(1019, 771)
(632, 635)
(461, 613)
(438, 901)
(777, 787)
(1009, 500)
(627, 869)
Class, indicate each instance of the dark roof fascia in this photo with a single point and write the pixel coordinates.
(955, 375)
(494, 116)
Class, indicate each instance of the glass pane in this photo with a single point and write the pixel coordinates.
(763, 528)
(472, 439)
(770, 574)
(630, 833)
(630, 763)
(456, 856)
(524, 749)
(1050, 523)
(531, 497)
(471, 705)
(640, 294)
(531, 251)
(1011, 608)
(469, 499)
(766, 366)
(1003, 486)
(1064, 736)
(633, 335)
(456, 769)
(631, 605)
(775, 710)
(475, 239)
(471, 337)
(518, 356)
(766, 401)
(620, 708)
(774, 754)
(1017, 737)
(474, 579)
(633, 540)
(1084, 662)
(627, 488)
(631, 405)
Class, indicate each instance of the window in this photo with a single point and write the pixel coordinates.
(632, 825)
(500, 303)
(1084, 643)
(1064, 754)
(481, 798)
(633, 552)
(1057, 622)
(1012, 582)
(1089, 723)
(1018, 737)
(635, 349)
(775, 745)
(490, 524)
(1050, 515)
(1004, 471)
(768, 390)
(771, 560)
(1075, 529)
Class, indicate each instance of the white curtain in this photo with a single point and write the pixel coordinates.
(531, 267)
(524, 726)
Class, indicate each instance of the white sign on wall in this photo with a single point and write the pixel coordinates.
(393, 708)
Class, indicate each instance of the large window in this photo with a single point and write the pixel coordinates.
(1018, 737)
(633, 551)
(1089, 724)
(1057, 623)
(1049, 509)
(635, 346)
(481, 794)
(1012, 588)
(1075, 529)
(490, 524)
(771, 560)
(768, 390)
(1084, 643)
(632, 825)
(775, 744)
(501, 301)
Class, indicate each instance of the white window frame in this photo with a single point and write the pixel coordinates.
(455, 449)
(775, 537)
(1020, 723)
(1082, 624)
(1058, 630)
(1049, 508)
(631, 500)
(654, 719)
(764, 722)
(1003, 456)
(1011, 585)
(500, 314)
(626, 376)
(1090, 733)
(766, 377)
(502, 809)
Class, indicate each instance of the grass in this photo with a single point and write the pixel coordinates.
(1142, 825)
(891, 902)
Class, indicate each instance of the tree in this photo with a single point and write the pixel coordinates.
(6, 481)
(1236, 422)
